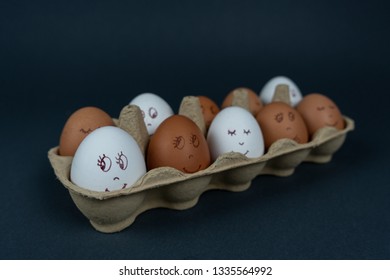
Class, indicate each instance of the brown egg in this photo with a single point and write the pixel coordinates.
(209, 109)
(279, 120)
(79, 125)
(255, 103)
(318, 111)
(179, 143)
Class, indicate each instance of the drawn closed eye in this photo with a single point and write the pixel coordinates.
(331, 106)
(231, 132)
(122, 161)
(104, 162)
(321, 108)
(179, 142)
(247, 132)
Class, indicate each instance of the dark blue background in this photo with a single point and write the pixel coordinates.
(58, 56)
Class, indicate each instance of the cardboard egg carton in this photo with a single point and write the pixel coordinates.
(170, 188)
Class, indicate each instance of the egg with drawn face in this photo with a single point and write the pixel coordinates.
(209, 109)
(108, 159)
(319, 111)
(235, 129)
(81, 123)
(268, 90)
(255, 103)
(154, 110)
(278, 120)
(179, 143)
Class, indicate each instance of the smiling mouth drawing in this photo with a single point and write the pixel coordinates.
(241, 143)
(149, 124)
(124, 186)
(190, 171)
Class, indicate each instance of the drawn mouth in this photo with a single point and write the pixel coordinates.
(191, 171)
(149, 124)
(247, 151)
(124, 186)
(334, 124)
(241, 143)
(297, 139)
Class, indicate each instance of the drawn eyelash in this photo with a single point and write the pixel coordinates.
(194, 140)
(104, 162)
(231, 133)
(122, 161)
(247, 132)
(178, 142)
(279, 117)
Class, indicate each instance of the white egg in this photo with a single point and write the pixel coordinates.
(234, 129)
(107, 159)
(267, 92)
(154, 110)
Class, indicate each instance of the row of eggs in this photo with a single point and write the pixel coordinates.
(107, 158)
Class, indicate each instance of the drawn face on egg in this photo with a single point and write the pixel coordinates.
(154, 110)
(268, 90)
(235, 129)
(319, 111)
(209, 109)
(279, 120)
(179, 143)
(255, 103)
(108, 159)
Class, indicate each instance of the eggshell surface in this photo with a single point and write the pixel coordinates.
(255, 103)
(319, 111)
(108, 159)
(235, 129)
(268, 90)
(81, 123)
(154, 110)
(179, 143)
(278, 120)
(209, 109)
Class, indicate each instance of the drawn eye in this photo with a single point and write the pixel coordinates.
(331, 106)
(279, 117)
(153, 112)
(321, 108)
(247, 132)
(121, 160)
(194, 140)
(291, 116)
(231, 132)
(179, 142)
(293, 94)
(104, 162)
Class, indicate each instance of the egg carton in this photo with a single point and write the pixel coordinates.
(168, 187)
